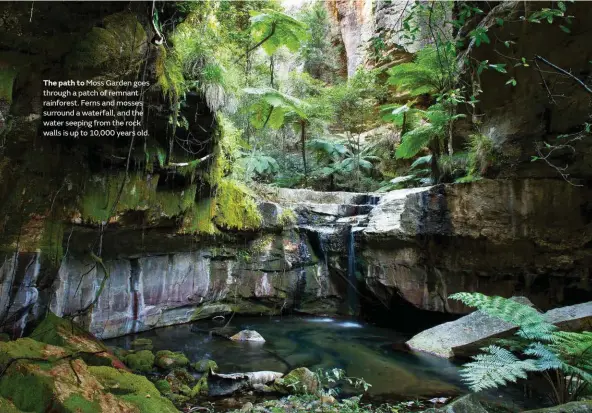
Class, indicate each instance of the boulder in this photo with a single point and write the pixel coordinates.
(204, 365)
(167, 360)
(464, 404)
(141, 361)
(248, 335)
(51, 378)
(573, 407)
(298, 381)
(142, 344)
(465, 336)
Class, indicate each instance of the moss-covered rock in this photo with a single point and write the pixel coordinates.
(163, 386)
(167, 360)
(65, 385)
(133, 389)
(204, 366)
(141, 361)
(201, 387)
(298, 381)
(67, 334)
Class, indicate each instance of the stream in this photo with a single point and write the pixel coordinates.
(362, 350)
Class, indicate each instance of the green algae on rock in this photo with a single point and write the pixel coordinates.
(298, 381)
(167, 360)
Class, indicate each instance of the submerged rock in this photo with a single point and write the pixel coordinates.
(248, 335)
(465, 336)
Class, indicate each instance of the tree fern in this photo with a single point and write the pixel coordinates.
(272, 29)
(432, 71)
(543, 349)
(495, 367)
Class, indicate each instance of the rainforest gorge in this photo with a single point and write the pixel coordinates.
(332, 206)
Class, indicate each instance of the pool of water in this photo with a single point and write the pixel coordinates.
(362, 350)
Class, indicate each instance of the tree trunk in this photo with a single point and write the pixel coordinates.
(303, 142)
(434, 162)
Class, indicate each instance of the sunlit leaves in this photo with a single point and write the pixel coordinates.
(276, 29)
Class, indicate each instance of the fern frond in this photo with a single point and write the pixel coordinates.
(414, 141)
(495, 367)
(532, 325)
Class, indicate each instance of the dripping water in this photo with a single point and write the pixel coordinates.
(351, 272)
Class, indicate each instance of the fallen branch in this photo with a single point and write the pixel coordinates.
(565, 72)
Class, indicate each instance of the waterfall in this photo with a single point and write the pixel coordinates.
(352, 281)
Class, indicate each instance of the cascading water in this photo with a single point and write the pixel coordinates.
(352, 280)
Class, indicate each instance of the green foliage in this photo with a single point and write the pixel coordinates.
(321, 57)
(428, 133)
(274, 29)
(482, 154)
(273, 106)
(432, 71)
(563, 358)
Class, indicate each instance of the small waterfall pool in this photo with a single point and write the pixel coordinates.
(362, 350)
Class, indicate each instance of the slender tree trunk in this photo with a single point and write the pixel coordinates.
(303, 142)
(434, 163)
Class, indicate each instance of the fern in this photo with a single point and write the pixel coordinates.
(432, 71)
(495, 367)
(532, 325)
(543, 349)
(273, 29)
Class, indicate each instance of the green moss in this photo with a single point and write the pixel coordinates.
(201, 388)
(198, 219)
(7, 77)
(163, 386)
(134, 389)
(235, 207)
(142, 344)
(65, 333)
(26, 388)
(26, 347)
(6, 406)
(51, 242)
(142, 361)
(78, 404)
(287, 218)
(139, 194)
(169, 360)
(4, 337)
(203, 366)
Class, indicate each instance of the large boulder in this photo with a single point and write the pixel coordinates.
(573, 407)
(39, 377)
(465, 336)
